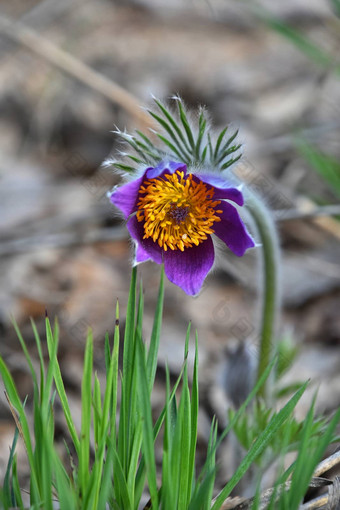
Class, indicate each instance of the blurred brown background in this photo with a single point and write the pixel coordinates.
(62, 246)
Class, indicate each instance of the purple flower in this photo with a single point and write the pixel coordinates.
(171, 214)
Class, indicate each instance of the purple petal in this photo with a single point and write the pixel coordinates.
(126, 196)
(232, 230)
(188, 268)
(141, 255)
(165, 167)
(223, 188)
(146, 248)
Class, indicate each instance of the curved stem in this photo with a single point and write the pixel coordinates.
(270, 282)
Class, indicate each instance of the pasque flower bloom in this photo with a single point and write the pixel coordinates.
(172, 213)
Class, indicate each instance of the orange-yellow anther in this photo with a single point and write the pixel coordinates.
(177, 211)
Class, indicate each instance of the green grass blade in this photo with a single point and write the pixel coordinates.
(184, 422)
(250, 397)
(325, 165)
(97, 411)
(67, 497)
(202, 498)
(113, 376)
(204, 486)
(336, 7)
(259, 445)
(46, 397)
(155, 334)
(128, 363)
(16, 485)
(7, 490)
(47, 447)
(26, 353)
(111, 388)
(59, 383)
(135, 431)
(168, 495)
(305, 45)
(41, 358)
(194, 419)
(119, 481)
(169, 404)
(21, 422)
(86, 392)
(309, 455)
(146, 416)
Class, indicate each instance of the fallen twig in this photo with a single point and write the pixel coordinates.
(74, 67)
(329, 501)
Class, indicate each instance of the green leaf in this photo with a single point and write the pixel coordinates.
(182, 150)
(172, 122)
(124, 168)
(186, 125)
(202, 125)
(218, 143)
(226, 150)
(176, 152)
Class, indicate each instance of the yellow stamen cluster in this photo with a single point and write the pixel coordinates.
(177, 211)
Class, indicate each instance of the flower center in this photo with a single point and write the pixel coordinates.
(178, 214)
(177, 211)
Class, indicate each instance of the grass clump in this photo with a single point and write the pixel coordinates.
(114, 461)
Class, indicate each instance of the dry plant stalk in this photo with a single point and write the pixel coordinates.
(74, 67)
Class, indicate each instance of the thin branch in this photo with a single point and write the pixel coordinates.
(63, 240)
(266, 496)
(327, 464)
(74, 67)
(331, 499)
(296, 214)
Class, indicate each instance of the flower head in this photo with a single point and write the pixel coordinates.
(172, 213)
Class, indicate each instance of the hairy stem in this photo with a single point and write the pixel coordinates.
(270, 283)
